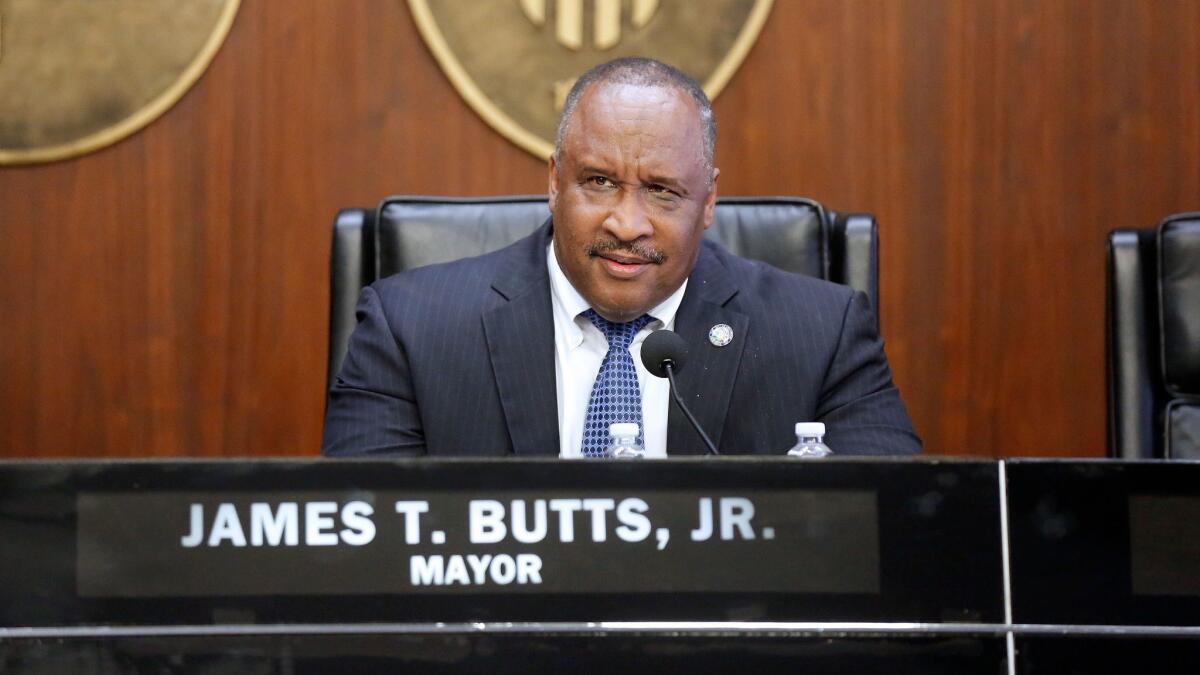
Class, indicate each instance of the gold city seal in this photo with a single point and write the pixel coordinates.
(77, 75)
(514, 61)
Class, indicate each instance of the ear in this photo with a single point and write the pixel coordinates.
(710, 202)
(552, 189)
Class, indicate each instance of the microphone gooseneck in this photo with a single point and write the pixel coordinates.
(663, 353)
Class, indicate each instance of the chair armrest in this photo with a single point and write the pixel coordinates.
(854, 254)
(1130, 370)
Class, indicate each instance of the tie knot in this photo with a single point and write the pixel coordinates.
(618, 334)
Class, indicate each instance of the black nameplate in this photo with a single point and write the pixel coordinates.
(1105, 542)
(488, 541)
(324, 541)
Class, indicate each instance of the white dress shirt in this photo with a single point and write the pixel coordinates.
(579, 349)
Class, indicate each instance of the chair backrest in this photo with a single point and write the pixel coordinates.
(794, 234)
(1153, 340)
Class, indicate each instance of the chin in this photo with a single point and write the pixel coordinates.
(622, 312)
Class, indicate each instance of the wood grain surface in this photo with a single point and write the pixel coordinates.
(167, 296)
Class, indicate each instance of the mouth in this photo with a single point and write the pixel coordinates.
(624, 258)
(625, 261)
(622, 266)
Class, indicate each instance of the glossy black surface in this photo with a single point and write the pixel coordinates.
(1073, 543)
(505, 654)
(1107, 656)
(938, 524)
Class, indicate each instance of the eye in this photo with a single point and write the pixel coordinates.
(660, 191)
(600, 181)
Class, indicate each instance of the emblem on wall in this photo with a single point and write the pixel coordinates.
(514, 61)
(77, 75)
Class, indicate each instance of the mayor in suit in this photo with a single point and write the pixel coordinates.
(533, 349)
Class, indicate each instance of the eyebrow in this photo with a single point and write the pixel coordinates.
(590, 168)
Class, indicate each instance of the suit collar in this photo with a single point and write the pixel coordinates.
(520, 340)
(524, 269)
(706, 382)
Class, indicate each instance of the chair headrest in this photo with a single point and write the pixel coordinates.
(786, 232)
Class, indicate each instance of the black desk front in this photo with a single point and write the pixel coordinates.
(842, 565)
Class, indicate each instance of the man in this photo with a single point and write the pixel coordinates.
(533, 349)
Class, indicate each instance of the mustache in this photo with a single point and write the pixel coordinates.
(651, 255)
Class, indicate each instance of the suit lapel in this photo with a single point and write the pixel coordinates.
(520, 338)
(706, 381)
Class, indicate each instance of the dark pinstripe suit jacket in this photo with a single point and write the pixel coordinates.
(458, 360)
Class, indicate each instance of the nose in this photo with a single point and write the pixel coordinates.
(628, 220)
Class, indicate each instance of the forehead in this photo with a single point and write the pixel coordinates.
(625, 122)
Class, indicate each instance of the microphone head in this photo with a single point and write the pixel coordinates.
(662, 347)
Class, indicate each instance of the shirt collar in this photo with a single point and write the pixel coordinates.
(569, 304)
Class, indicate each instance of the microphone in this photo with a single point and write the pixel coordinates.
(663, 353)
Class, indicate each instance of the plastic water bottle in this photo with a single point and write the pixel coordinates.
(808, 441)
(623, 443)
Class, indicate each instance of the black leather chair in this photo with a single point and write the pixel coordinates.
(1154, 340)
(794, 234)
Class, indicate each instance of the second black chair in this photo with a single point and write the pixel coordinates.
(1153, 340)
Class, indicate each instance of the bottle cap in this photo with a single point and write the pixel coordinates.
(623, 429)
(810, 428)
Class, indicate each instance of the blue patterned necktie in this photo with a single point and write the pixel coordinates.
(616, 396)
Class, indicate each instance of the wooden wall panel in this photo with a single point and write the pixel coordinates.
(166, 296)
